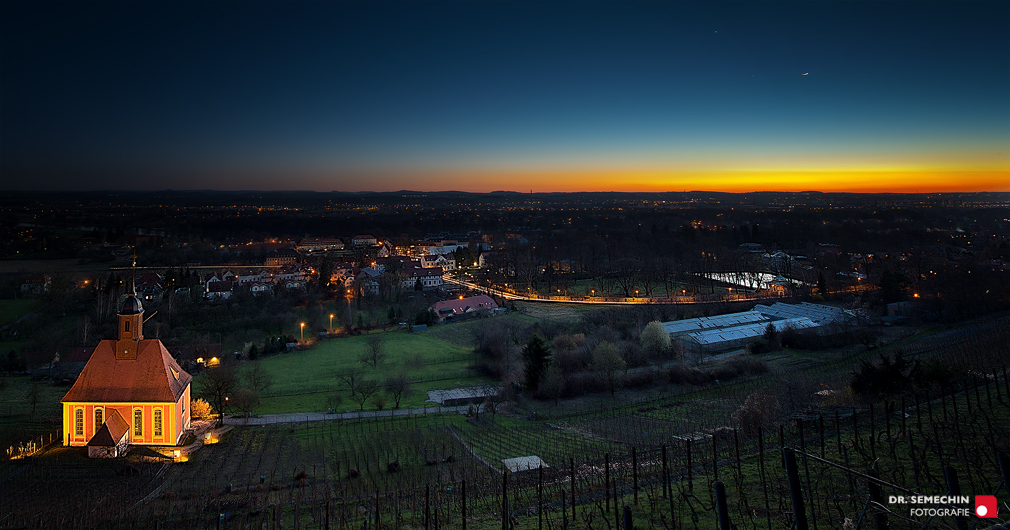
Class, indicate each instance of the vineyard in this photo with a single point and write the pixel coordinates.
(686, 461)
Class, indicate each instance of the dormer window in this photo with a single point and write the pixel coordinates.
(175, 373)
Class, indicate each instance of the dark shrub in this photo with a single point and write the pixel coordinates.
(682, 375)
(643, 379)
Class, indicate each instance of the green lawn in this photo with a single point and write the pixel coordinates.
(11, 310)
(304, 380)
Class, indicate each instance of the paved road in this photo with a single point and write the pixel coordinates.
(299, 417)
(752, 297)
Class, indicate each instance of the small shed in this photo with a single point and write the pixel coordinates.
(462, 396)
(112, 439)
(523, 463)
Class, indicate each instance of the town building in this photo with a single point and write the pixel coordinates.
(283, 256)
(445, 261)
(320, 245)
(461, 308)
(426, 278)
(35, 284)
(364, 240)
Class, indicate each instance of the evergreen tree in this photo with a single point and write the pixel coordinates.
(892, 286)
(537, 355)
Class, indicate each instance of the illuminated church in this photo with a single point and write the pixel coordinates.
(131, 392)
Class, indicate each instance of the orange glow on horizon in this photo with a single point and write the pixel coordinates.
(732, 181)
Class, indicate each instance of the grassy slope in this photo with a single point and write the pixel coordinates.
(16, 420)
(304, 380)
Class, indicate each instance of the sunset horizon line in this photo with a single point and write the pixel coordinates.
(903, 181)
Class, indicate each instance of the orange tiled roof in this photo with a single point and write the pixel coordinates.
(148, 378)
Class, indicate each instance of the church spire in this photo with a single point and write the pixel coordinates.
(133, 279)
(131, 320)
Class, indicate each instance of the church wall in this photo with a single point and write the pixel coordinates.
(172, 427)
(182, 414)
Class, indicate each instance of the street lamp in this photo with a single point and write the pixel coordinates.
(331, 322)
(302, 332)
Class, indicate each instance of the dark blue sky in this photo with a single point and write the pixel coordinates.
(501, 95)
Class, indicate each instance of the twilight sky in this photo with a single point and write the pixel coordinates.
(518, 95)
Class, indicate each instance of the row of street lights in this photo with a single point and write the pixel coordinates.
(301, 331)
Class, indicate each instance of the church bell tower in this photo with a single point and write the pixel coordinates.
(131, 322)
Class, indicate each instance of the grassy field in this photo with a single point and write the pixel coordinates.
(11, 310)
(461, 333)
(304, 380)
(17, 423)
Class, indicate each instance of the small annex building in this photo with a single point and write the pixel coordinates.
(131, 392)
(112, 439)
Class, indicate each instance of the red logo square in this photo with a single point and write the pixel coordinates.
(985, 506)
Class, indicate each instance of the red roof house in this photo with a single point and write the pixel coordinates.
(464, 307)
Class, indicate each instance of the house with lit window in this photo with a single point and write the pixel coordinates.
(426, 278)
(461, 308)
(131, 392)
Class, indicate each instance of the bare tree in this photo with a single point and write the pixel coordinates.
(85, 328)
(629, 271)
(33, 396)
(351, 376)
(216, 386)
(245, 400)
(258, 378)
(493, 400)
(514, 328)
(398, 387)
(366, 389)
(373, 355)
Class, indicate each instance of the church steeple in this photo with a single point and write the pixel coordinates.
(131, 321)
